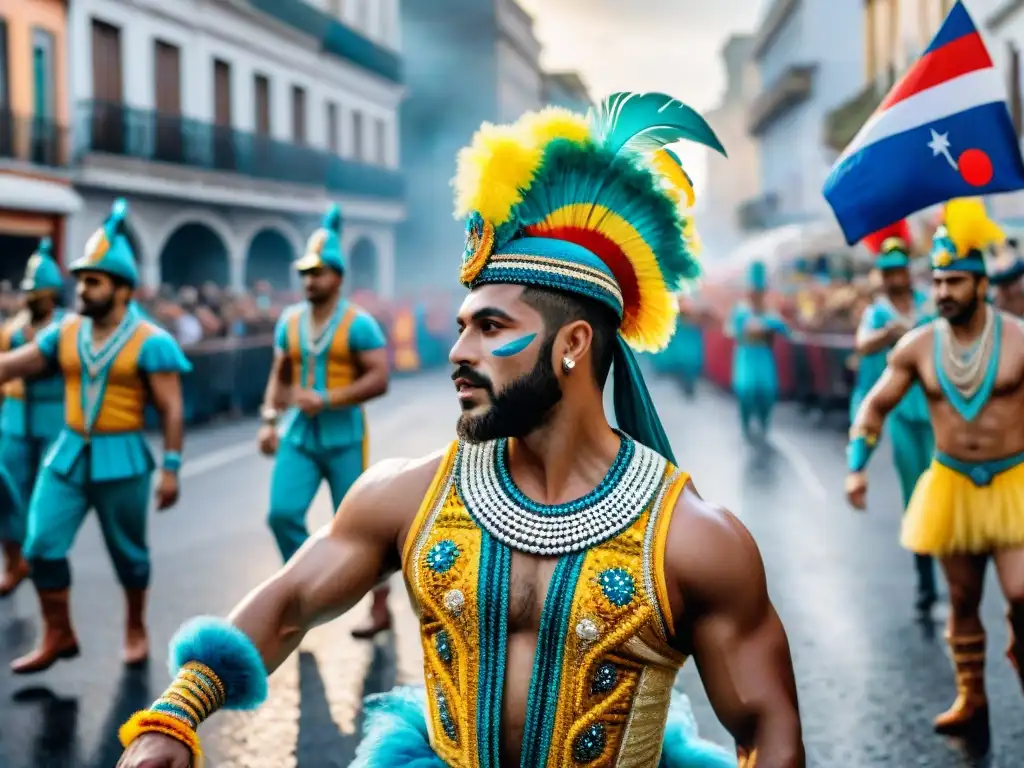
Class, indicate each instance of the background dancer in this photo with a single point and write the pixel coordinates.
(32, 414)
(114, 364)
(330, 358)
(755, 380)
(968, 508)
(898, 309)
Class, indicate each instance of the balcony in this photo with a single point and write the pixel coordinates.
(335, 37)
(33, 140)
(793, 87)
(843, 122)
(116, 129)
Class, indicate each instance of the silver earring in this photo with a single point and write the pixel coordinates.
(568, 364)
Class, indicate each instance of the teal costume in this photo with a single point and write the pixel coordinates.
(32, 413)
(331, 445)
(755, 379)
(909, 425)
(100, 458)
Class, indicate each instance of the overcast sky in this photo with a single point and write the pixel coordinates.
(644, 45)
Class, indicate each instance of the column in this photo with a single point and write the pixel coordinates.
(384, 242)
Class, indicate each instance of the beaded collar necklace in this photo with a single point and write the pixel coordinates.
(501, 509)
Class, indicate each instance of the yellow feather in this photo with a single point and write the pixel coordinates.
(969, 226)
(553, 123)
(492, 172)
(672, 172)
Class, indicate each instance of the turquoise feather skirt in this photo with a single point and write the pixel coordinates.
(395, 734)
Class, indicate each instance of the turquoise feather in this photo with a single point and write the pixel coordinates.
(646, 122)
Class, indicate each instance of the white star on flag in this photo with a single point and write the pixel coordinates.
(939, 145)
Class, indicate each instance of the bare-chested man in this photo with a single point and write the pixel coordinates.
(968, 508)
(543, 539)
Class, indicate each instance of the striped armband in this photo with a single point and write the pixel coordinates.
(858, 452)
(218, 667)
(172, 461)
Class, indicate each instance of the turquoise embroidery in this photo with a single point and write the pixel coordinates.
(492, 608)
(605, 678)
(514, 347)
(590, 744)
(313, 348)
(443, 645)
(981, 473)
(445, 715)
(607, 485)
(617, 585)
(96, 363)
(442, 556)
(970, 408)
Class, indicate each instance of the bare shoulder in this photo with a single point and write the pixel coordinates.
(712, 564)
(913, 347)
(387, 496)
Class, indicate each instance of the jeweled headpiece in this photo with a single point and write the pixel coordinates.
(890, 246)
(960, 241)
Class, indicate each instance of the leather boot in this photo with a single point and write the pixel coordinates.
(380, 616)
(136, 642)
(968, 717)
(58, 640)
(15, 568)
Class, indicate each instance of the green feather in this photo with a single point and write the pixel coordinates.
(646, 122)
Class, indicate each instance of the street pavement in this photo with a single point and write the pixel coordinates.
(870, 675)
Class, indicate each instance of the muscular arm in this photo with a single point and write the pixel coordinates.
(871, 340)
(899, 375)
(336, 568)
(165, 388)
(276, 394)
(730, 626)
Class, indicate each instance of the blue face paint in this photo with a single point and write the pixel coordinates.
(514, 347)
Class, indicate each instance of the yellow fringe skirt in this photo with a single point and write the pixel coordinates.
(973, 509)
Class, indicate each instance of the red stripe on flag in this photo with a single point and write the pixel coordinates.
(959, 57)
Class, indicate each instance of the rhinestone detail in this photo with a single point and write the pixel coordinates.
(587, 630)
(590, 744)
(442, 643)
(445, 715)
(604, 678)
(618, 586)
(442, 556)
(454, 601)
(536, 533)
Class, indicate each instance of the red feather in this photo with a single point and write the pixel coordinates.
(900, 229)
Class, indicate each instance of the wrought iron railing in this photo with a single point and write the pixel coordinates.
(36, 140)
(117, 129)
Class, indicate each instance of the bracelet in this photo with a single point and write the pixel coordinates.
(195, 694)
(859, 450)
(172, 461)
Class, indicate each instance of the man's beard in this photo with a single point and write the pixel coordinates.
(959, 314)
(319, 297)
(523, 406)
(97, 310)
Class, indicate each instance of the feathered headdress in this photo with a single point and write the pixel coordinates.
(890, 245)
(590, 207)
(959, 243)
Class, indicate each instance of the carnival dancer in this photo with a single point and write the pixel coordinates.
(32, 413)
(898, 310)
(330, 358)
(684, 355)
(542, 538)
(968, 508)
(113, 363)
(755, 380)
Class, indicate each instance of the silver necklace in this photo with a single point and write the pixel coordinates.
(535, 533)
(965, 365)
(315, 345)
